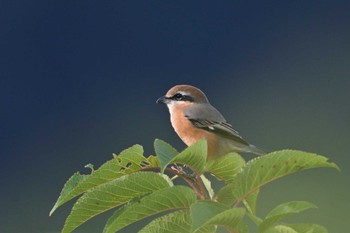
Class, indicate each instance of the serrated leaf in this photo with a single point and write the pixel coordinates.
(132, 158)
(175, 222)
(70, 185)
(167, 178)
(112, 194)
(153, 161)
(225, 167)
(282, 211)
(159, 201)
(208, 213)
(264, 169)
(108, 171)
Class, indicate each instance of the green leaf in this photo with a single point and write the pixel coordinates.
(257, 221)
(68, 187)
(110, 170)
(231, 220)
(208, 213)
(281, 229)
(203, 211)
(165, 152)
(293, 207)
(132, 159)
(91, 166)
(264, 169)
(284, 210)
(297, 228)
(193, 156)
(112, 194)
(153, 161)
(308, 228)
(175, 222)
(225, 167)
(159, 201)
(207, 185)
(225, 195)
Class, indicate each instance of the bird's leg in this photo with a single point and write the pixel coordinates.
(180, 170)
(177, 169)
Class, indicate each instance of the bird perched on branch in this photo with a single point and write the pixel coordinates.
(194, 118)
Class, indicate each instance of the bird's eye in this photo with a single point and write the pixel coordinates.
(178, 96)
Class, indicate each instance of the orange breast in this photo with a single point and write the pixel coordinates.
(190, 134)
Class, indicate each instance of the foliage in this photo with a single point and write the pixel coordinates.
(138, 187)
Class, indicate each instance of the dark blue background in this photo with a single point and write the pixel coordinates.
(79, 80)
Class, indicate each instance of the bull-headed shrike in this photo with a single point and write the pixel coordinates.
(194, 118)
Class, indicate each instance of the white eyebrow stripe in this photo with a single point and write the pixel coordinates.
(183, 93)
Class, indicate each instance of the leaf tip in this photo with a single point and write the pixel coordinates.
(90, 166)
(334, 165)
(53, 209)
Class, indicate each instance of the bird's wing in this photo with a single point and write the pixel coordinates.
(223, 129)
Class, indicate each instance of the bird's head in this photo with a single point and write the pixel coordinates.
(183, 95)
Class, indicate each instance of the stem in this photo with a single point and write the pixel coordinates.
(201, 186)
(195, 183)
(192, 183)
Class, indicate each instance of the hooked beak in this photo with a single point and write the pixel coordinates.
(163, 100)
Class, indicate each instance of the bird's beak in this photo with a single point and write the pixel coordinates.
(163, 100)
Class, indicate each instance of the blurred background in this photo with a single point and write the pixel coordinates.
(79, 80)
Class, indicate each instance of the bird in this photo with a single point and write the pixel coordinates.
(194, 118)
